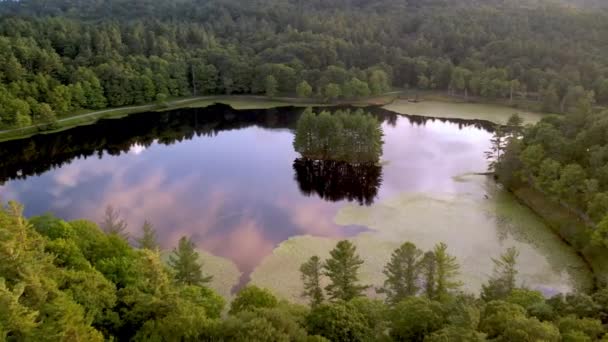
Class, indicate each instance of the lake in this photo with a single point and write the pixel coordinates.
(232, 180)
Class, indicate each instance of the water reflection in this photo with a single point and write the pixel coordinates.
(226, 177)
(338, 181)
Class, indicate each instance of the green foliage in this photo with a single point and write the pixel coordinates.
(113, 224)
(70, 281)
(414, 318)
(496, 316)
(340, 321)
(447, 271)
(344, 136)
(502, 282)
(342, 269)
(252, 297)
(311, 272)
(186, 263)
(455, 334)
(270, 86)
(148, 239)
(304, 90)
(525, 298)
(402, 273)
(592, 328)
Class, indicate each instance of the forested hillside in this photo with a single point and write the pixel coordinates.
(59, 56)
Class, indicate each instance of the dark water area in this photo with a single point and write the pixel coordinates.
(229, 178)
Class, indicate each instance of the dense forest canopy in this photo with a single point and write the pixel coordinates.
(77, 281)
(61, 56)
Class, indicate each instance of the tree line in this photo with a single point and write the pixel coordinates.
(60, 56)
(566, 159)
(78, 281)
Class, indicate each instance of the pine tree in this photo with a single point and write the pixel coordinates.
(428, 269)
(502, 282)
(342, 269)
(497, 147)
(311, 277)
(148, 239)
(447, 270)
(113, 224)
(402, 273)
(185, 263)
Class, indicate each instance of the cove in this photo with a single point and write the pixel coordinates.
(232, 180)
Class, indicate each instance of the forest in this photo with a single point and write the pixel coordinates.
(63, 56)
(77, 281)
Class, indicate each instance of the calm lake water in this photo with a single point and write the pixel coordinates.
(232, 181)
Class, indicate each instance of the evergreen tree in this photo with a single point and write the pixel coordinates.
(148, 239)
(502, 282)
(402, 273)
(343, 272)
(447, 270)
(311, 272)
(428, 269)
(113, 224)
(185, 262)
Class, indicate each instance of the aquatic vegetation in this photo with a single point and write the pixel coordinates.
(494, 113)
(476, 225)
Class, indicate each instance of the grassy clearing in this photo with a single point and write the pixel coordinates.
(458, 110)
(475, 228)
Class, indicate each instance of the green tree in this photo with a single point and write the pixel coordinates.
(428, 270)
(342, 269)
(46, 115)
(414, 318)
(113, 223)
(455, 334)
(447, 271)
(331, 92)
(304, 90)
(270, 86)
(402, 273)
(550, 98)
(592, 328)
(185, 262)
(340, 321)
(502, 282)
(311, 272)
(252, 297)
(148, 240)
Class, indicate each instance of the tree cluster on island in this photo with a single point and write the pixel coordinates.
(60, 56)
(73, 281)
(345, 136)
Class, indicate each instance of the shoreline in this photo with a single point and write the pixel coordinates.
(570, 229)
(238, 102)
(394, 98)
